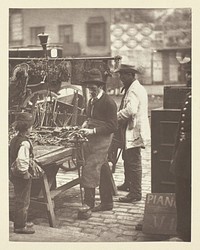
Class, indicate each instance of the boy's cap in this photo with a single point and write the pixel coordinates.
(25, 117)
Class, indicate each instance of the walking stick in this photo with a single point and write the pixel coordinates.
(81, 191)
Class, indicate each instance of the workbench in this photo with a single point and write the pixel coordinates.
(51, 158)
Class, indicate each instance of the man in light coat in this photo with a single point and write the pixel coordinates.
(135, 131)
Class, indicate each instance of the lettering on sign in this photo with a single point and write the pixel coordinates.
(160, 214)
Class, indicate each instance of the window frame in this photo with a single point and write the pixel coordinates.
(63, 26)
(12, 21)
(92, 24)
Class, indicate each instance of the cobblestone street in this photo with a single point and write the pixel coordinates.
(118, 225)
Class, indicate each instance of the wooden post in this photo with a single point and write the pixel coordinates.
(48, 201)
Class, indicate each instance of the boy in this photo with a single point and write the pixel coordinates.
(20, 151)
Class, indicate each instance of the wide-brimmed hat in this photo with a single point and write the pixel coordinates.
(93, 76)
(25, 117)
(127, 69)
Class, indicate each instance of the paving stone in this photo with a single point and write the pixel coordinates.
(126, 222)
(122, 214)
(108, 236)
(92, 231)
(125, 238)
(113, 225)
(96, 219)
(107, 221)
(66, 219)
(128, 233)
(116, 230)
(95, 215)
(94, 223)
(118, 209)
(125, 217)
(107, 216)
(128, 227)
(110, 212)
(64, 224)
(73, 229)
(88, 238)
(102, 227)
(135, 213)
(86, 225)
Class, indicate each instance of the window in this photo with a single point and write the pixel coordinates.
(66, 34)
(34, 35)
(157, 67)
(96, 31)
(16, 29)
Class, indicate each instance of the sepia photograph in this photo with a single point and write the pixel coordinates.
(99, 126)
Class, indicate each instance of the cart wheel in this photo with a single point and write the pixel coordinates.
(39, 97)
(67, 92)
(41, 104)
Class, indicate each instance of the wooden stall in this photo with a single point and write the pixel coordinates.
(34, 87)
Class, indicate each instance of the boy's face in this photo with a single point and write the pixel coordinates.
(29, 130)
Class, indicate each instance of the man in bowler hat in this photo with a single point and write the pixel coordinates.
(100, 125)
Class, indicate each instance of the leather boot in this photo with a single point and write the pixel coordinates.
(124, 187)
(84, 212)
(89, 196)
(135, 193)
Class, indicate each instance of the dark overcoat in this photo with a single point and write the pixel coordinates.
(181, 159)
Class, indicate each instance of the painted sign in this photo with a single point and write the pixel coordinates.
(160, 214)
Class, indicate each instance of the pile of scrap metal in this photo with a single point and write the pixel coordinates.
(57, 136)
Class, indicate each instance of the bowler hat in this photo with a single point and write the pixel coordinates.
(127, 69)
(25, 117)
(94, 76)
